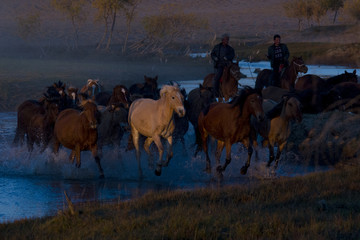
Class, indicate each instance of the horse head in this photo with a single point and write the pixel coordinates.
(292, 108)
(234, 71)
(174, 97)
(299, 65)
(91, 113)
(73, 94)
(120, 96)
(351, 77)
(60, 87)
(250, 100)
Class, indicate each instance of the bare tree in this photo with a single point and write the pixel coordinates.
(130, 14)
(107, 12)
(74, 10)
(353, 8)
(334, 5)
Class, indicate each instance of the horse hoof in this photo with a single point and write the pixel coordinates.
(157, 172)
(219, 169)
(243, 170)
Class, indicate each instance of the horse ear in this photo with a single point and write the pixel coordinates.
(354, 72)
(156, 77)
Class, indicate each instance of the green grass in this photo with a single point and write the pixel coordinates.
(317, 206)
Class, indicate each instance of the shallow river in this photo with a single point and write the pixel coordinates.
(33, 185)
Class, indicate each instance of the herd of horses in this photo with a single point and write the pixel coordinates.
(90, 118)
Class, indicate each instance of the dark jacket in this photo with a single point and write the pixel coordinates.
(222, 55)
(285, 52)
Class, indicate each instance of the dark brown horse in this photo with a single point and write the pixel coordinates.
(198, 99)
(41, 126)
(120, 97)
(28, 109)
(229, 123)
(77, 130)
(287, 79)
(228, 82)
(147, 89)
(317, 84)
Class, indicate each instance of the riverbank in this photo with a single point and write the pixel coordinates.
(317, 206)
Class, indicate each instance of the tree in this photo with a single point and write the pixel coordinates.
(353, 7)
(334, 5)
(305, 9)
(172, 26)
(28, 26)
(74, 9)
(107, 12)
(130, 13)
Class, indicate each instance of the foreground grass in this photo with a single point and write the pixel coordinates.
(317, 206)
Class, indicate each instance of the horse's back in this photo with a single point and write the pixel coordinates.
(263, 79)
(310, 81)
(208, 80)
(273, 93)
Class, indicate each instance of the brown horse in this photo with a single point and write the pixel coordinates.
(77, 130)
(154, 119)
(120, 97)
(275, 130)
(91, 88)
(41, 126)
(228, 82)
(29, 108)
(229, 123)
(287, 79)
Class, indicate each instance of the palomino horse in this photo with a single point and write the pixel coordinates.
(287, 79)
(228, 82)
(91, 88)
(154, 119)
(229, 123)
(275, 129)
(77, 130)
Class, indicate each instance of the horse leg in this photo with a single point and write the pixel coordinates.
(135, 138)
(271, 155)
(78, 156)
(160, 147)
(243, 170)
(228, 155)
(72, 156)
(169, 152)
(147, 144)
(219, 148)
(97, 160)
(279, 151)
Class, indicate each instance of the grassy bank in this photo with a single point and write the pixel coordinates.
(317, 206)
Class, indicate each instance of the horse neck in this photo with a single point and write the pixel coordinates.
(289, 77)
(226, 74)
(167, 111)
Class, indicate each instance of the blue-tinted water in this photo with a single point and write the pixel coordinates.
(33, 185)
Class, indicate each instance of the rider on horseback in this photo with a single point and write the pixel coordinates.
(222, 54)
(278, 54)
